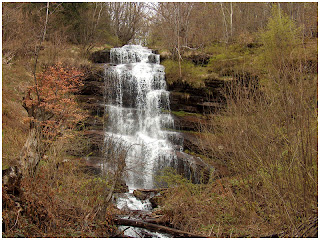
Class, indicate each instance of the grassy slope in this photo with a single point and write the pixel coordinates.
(15, 79)
(236, 205)
(224, 61)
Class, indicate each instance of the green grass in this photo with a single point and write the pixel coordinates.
(226, 59)
(183, 114)
(191, 74)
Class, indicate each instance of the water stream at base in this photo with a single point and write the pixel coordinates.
(138, 110)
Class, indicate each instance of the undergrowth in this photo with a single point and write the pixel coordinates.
(216, 209)
(59, 200)
(16, 77)
(266, 138)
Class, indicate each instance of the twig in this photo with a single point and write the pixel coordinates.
(16, 219)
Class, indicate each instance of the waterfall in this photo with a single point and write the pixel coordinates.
(138, 113)
(139, 127)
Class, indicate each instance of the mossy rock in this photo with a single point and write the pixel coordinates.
(140, 195)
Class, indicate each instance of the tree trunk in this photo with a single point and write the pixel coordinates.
(178, 40)
(30, 156)
(231, 20)
(155, 227)
(225, 23)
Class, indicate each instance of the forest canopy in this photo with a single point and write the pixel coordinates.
(175, 26)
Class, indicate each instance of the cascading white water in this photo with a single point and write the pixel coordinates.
(138, 113)
(138, 124)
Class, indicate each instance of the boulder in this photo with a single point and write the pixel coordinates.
(153, 195)
(141, 195)
(11, 179)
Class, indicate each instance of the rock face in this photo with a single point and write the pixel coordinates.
(208, 99)
(189, 122)
(193, 104)
(194, 168)
(102, 56)
(192, 143)
(190, 106)
(90, 97)
(95, 141)
(92, 165)
(199, 59)
(121, 187)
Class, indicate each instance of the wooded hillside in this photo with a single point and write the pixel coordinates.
(243, 79)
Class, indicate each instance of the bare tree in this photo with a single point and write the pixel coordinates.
(126, 19)
(227, 13)
(174, 21)
(93, 20)
(31, 152)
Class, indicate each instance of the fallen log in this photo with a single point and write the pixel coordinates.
(156, 190)
(155, 220)
(155, 227)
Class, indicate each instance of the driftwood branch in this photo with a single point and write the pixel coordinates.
(155, 227)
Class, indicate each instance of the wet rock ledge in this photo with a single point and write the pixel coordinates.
(90, 98)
